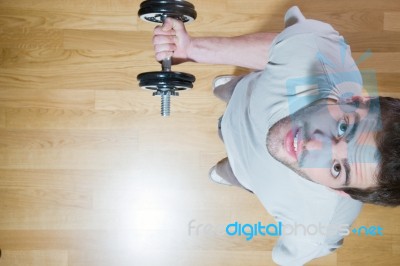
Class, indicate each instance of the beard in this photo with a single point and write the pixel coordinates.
(277, 133)
(275, 144)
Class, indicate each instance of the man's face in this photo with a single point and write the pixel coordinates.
(328, 143)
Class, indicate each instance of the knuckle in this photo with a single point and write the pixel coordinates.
(157, 30)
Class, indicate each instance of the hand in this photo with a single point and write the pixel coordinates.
(172, 40)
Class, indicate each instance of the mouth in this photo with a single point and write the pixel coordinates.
(293, 143)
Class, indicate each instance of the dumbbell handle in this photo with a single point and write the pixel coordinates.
(166, 64)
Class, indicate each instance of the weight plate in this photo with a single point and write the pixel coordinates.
(167, 75)
(157, 10)
(150, 3)
(159, 80)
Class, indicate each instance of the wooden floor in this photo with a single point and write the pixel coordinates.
(90, 174)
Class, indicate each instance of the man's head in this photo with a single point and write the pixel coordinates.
(387, 140)
(339, 145)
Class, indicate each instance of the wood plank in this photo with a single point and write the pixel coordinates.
(351, 20)
(391, 21)
(31, 38)
(99, 59)
(106, 40)
(51, 239)
(396, 246)
(70, 179)
(67, 159)
(356, 255)
(178, 258)
(39, 98)
(51, 119)
(193, 226)
(39, 58)
(68, 78)
(65, 77)
(2, 57)
(130, 240)
(330, 260)
(61, 139)
(17, 199)
(232, 25)
(73, 5)
(379, 62)
(35, 257)
(268, 16)
(72, 119)
(12, 19)
(388, 83)
(171, 200)
(360, 42)
(133, 100)
(142, 100)
(2, 117)
(268, 20)
(306, 6)
(109, 73)
(114, 179)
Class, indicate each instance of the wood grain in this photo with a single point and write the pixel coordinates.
(42, 98)
(90, 174)
(51, 257)
(31, 38)
(45, 20)
(2, 117)
(391, 21)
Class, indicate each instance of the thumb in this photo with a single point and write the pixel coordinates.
(172, 24)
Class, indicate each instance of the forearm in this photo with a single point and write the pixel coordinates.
(249, 51)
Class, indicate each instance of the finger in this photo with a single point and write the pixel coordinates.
(163, 39)
(159, 31)
(168, 24)
(172, 24)
(165, 48)
(175, 24)
(163, 55)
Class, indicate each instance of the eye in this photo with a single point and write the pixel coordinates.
(336, 169)
(342, 127)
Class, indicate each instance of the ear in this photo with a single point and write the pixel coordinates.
(341, 193)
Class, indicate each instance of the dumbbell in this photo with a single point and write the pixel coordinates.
(166, 83)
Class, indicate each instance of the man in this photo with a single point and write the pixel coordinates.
(302, 115)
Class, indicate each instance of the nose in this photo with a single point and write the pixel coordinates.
(319, 141)
(317, 151)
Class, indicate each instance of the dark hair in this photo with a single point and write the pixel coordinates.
(387, 190)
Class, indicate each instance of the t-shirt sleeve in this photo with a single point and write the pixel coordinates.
(311, 53)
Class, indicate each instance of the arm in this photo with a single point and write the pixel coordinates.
(250, 51)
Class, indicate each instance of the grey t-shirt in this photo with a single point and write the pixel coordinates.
(308, 61)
